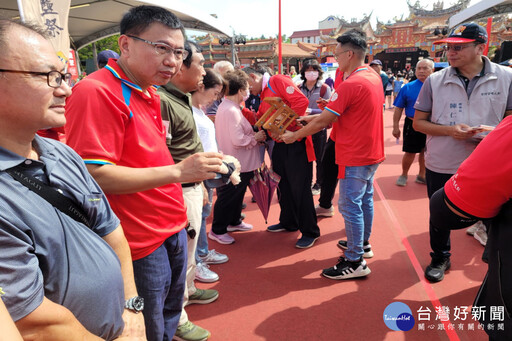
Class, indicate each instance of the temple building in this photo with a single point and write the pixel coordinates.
(399, 44)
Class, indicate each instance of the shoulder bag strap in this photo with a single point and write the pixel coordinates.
(54, 197)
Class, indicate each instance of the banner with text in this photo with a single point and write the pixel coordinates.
(52, 16)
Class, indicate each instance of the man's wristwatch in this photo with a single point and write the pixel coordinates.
(135, 304)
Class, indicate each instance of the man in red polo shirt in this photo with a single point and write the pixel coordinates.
(292, 162)
(356, 111)
(114, 123)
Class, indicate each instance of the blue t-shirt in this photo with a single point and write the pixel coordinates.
(397, 85)
(407, 97)
(45, 253)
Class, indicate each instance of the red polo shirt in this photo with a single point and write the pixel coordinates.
(103, 129)
(482, 183)
(283, 87)
(359, 127)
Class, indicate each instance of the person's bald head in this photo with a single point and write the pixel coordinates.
(223, 67)
(424, 68)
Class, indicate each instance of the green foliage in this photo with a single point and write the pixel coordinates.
(109, 43)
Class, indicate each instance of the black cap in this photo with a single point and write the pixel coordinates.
(466, 33)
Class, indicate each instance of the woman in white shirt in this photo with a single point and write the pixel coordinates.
(210, 90)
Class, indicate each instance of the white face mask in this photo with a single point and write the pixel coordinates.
(311, 75)
(247, 94)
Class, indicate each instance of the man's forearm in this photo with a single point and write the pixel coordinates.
(314, 126)
(422, 124)
(53, 322)
(115, 179)
(397, 114)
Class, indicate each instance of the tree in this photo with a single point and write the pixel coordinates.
(109, 43)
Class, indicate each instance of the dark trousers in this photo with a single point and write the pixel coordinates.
(442, 221)
(290, 161)
(439, 237)
(329, 175)
(228, 206)
(319, 141)
(160, 279)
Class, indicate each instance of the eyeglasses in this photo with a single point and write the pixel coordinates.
(161, 48)
(53, 78)
(456, 48)
(336, 55)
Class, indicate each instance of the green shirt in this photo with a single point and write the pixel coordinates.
(182, 138)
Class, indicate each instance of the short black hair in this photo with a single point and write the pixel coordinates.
(139, 18)
(254, 69)
(188, 46)
(355, 39)
(313, 63)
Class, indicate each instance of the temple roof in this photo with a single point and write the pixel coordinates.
(438, 10)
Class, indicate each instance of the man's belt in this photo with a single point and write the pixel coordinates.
(190, 184)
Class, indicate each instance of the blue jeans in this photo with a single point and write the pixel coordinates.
(160, 279)
(356, 206)
(202, 241)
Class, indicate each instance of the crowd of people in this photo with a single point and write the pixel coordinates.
(114, 222)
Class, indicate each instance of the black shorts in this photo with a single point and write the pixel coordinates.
(388, 92)
(414, 142)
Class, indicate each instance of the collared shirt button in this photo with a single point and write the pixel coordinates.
(28, 162)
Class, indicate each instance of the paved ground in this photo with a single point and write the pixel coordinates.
(269, 290)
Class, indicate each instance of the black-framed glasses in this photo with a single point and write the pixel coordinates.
(53, 78)
(456, 48)
(162, 48)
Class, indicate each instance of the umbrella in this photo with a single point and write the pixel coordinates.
(263, 186)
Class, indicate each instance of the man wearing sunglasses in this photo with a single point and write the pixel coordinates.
(451, 105)
(114, 123)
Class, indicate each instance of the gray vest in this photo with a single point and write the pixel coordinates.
(451, 105)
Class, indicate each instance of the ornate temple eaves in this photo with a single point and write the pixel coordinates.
(438, 10)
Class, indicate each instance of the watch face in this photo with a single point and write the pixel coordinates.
(138, 303)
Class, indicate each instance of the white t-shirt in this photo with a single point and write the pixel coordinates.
(206, 130)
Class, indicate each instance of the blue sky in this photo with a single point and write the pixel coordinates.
(254, 18)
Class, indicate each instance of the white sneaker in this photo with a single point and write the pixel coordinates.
(346, 269)
(214, 257)
(472, 229)
(481, 234)
(324, 212)
(204, 274)
(240, 227)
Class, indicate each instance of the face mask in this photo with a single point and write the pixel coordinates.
(311, 75)
(247, 94)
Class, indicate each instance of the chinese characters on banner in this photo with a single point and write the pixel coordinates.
(52, 15)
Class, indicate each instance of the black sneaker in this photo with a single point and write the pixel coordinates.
(436, 269)
(367, 248)
(346, 269)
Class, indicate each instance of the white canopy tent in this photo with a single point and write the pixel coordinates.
(481, 10)
(92, 20)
